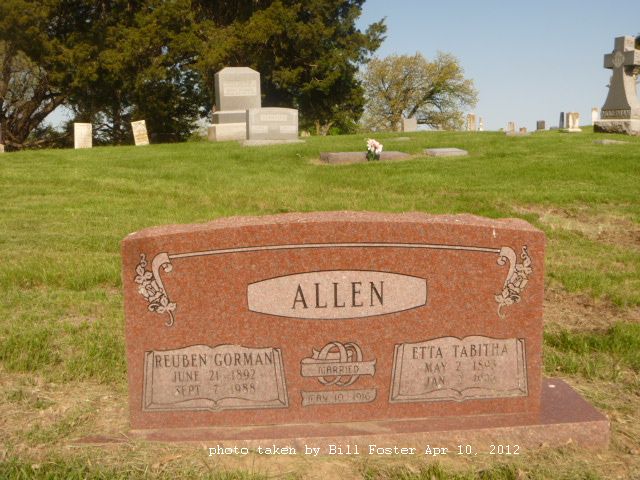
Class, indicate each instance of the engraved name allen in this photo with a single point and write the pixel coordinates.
(337, 294)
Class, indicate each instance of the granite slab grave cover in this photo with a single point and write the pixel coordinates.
(140, 136)
(272, 123)
(607, 141)
(540, 125)
(360, 157)
(82, 135)
(338, 324)
(446, 152)
(621, 110)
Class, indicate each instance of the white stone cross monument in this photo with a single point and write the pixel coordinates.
(621, 110)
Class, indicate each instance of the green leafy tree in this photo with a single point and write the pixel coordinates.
(308, 53)
(139, 65)
(109, 61)
(398, 86)
(35, 66)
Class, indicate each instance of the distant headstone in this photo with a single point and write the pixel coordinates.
(481, 125)
(572, 120)
(511, 128)
(523, 131)
(621, 111)
(237, 89)
(446, 152)
(140, 136)
(82, 135)
(344, 327)
(1, 148)
(561, 122)
(541, 125)
(1, 141)
(471, 122)
(409, 124)
(272, 124)
(595, 115)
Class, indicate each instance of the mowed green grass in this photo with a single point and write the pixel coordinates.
(63, 214)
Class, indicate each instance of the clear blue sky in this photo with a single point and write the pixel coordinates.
(529, 60)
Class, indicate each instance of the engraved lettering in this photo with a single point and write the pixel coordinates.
(377, 293)
(458, 369)
(337, 294)
(299, 298)
(335, 297)
(318, 297)
(354, 292)
(225, 377)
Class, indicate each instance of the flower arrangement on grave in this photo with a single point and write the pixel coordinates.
(374, 149)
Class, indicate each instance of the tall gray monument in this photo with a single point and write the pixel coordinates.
(237, 90)
(621, 110)
(240, 115)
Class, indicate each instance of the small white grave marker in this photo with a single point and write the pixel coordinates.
(82, 135)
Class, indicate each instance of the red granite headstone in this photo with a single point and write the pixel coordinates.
(278, 326)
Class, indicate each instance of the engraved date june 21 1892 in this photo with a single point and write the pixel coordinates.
(224, 377)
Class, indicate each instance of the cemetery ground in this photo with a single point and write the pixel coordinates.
(63, 214)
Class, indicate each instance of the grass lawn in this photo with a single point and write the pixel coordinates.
(63, 214)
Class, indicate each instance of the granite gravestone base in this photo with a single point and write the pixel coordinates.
(397, 329)
(621, 111)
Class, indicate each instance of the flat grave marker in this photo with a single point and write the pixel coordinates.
(360, 157)
(446, 152)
